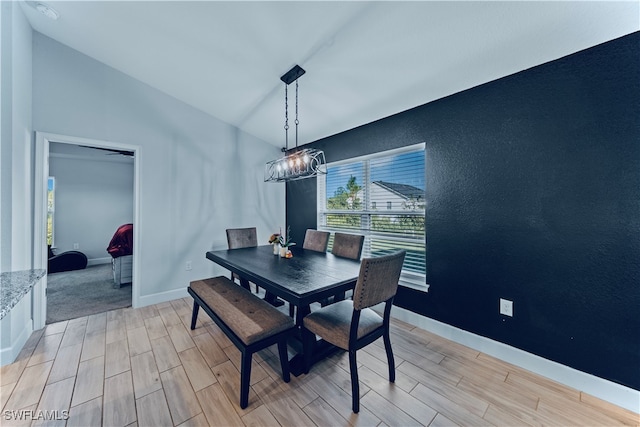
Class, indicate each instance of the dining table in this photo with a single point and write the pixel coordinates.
(307, 277)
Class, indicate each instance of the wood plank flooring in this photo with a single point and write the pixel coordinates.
(145, 367)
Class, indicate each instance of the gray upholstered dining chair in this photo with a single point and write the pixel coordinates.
(352, 324)
(316, 240)
(347, 245)
(242, 238)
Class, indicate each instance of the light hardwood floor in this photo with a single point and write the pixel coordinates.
(145, 367)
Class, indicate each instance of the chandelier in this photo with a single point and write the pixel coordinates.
(299, 164)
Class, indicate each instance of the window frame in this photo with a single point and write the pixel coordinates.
(410, 279)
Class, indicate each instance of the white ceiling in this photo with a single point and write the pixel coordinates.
(364, 60)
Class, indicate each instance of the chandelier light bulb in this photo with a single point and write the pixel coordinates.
(303, 164)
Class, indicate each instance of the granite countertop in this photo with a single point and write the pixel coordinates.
(14, 285)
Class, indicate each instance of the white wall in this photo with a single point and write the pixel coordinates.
(5, 134)
(93, 197)
(198, 175)
(15, 169)
(16, 139)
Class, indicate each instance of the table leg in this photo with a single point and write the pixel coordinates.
(245, 283)
(273, 300)
(269, 297)
(300, 313)
(339, 297)
(321, 349)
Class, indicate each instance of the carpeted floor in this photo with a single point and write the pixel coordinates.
(73, 294)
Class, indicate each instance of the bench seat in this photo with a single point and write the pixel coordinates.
(249, 322)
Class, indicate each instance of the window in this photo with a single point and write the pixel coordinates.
(350, 192)
(51, 188)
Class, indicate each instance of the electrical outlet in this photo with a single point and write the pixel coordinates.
(506, 307)
(76, 246)
(187, 266)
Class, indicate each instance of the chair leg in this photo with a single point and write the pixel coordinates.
(390, 360)
(284, 360)
(194, 315)
(245, 377)
(355, 385)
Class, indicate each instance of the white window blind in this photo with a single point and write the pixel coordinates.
(382, 197)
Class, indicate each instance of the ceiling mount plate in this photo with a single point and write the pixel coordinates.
(293, 74)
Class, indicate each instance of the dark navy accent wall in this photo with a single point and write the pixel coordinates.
(533, 195)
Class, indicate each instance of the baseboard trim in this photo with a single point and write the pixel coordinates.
(162, 297)
(8, 354)
(609, 391)
(98, 261)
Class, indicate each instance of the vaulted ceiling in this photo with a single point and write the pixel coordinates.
(363, 60)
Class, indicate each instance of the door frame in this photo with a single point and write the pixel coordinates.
(41, 174)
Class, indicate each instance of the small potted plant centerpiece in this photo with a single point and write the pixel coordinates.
(274, 240)
(285, 243)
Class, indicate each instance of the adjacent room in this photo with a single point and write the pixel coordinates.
(320, 213)
(89, 198)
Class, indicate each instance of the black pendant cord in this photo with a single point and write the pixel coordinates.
(297, 121)
(289, 77)
(286, 119)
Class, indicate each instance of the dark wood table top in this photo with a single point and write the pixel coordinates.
(307, 277)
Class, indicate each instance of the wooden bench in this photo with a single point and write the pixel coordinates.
(249, 322)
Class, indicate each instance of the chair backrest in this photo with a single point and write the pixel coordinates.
(347, 245)
(378, 279)
(242, 237)
(316, 240)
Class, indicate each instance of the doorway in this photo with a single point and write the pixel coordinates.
(42, 158)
